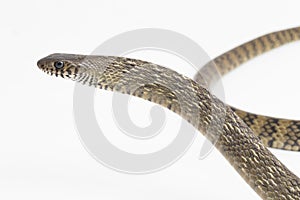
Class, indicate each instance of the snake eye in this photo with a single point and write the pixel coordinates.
(59, 64)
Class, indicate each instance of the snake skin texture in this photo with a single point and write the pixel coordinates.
(274, 132)
(232, 137)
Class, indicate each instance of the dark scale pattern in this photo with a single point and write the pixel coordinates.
(274, 132)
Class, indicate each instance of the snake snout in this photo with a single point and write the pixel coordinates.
(39, 63)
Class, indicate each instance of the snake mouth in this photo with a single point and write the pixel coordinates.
(42, 67)
(48, 69)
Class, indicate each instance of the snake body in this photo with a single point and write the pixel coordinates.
(274, 132)
(216, 120)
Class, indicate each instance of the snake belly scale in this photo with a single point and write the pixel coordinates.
(232, 137)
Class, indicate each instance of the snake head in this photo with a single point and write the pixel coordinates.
(68, 66)
(93, 70)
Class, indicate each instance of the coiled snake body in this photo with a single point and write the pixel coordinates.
(274, 132)
(191, 100)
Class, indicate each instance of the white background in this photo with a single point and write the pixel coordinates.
(41, 156)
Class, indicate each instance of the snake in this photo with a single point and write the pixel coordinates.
(220, 123)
